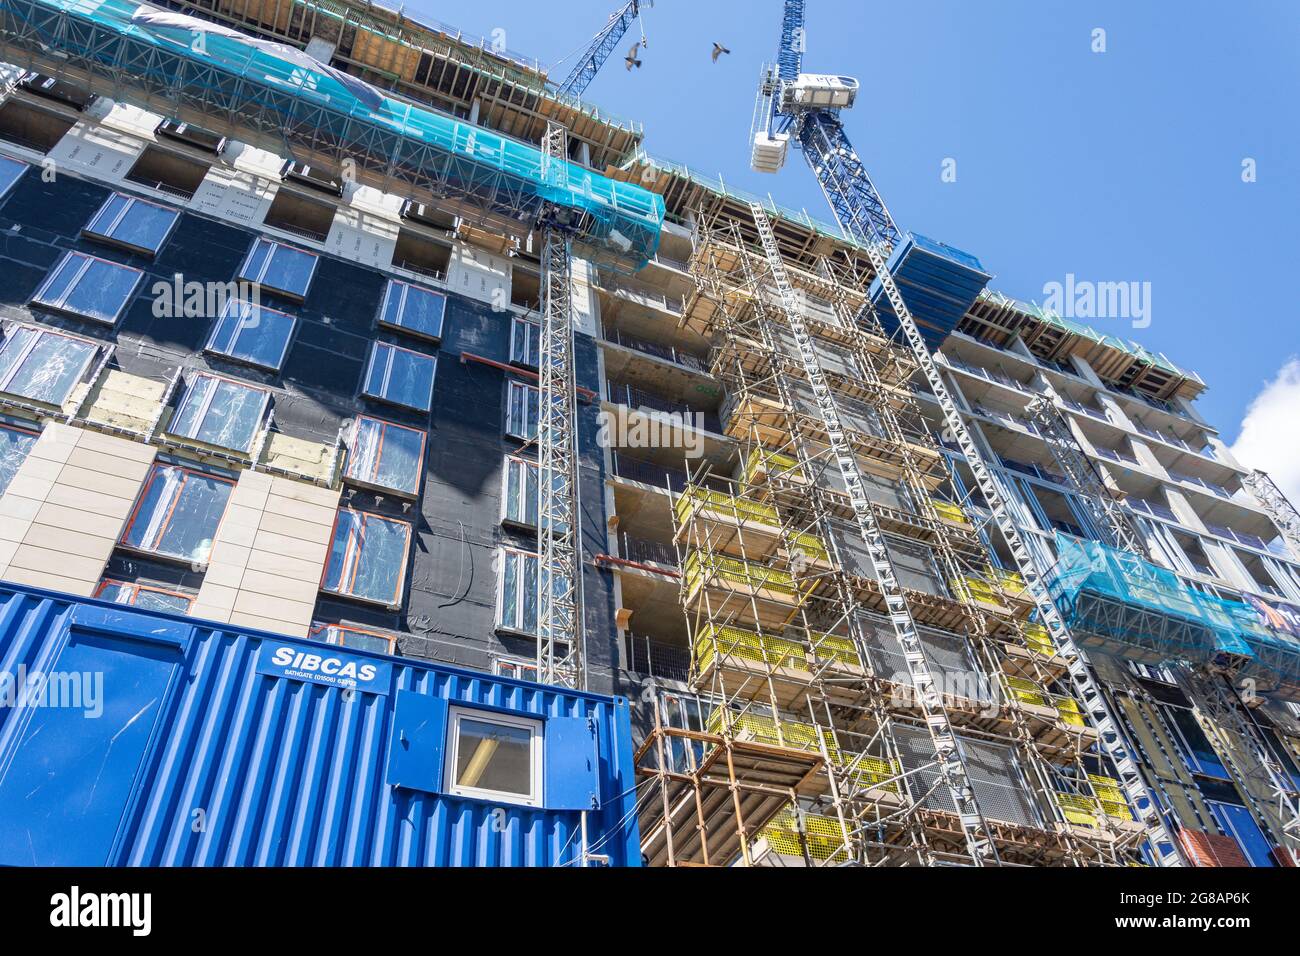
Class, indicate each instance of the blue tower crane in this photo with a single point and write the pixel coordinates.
(601, 47)
(941, 283)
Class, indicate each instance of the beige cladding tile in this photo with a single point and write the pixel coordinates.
(302, 491)
(14, 529)
(240, 535)
(210, 612)
(49, 448)
(92, 502)
(277, 563)
(52, 562)
(38, 489)
(277, 586)
(300, 510)
(61, 516)
(249, 497)
(76, 543)
(274, 625)
(217, 595)
(14, 508)
(223, 552)
(228, 575)
(41, 469)
(54, 582)
(295, 528)
(108, 464)
(117, 447)
(7, 549)
(278, 544)
(87, 480)
(241, 516)
(273, 608)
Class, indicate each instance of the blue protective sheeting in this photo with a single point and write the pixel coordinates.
(939, 284)
(146, 739)
(1127, 606)
(277, 90)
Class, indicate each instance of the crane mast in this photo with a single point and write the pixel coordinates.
(808, 105)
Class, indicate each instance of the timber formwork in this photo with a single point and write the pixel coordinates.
(810, 746)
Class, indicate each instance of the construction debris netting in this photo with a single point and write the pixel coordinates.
(1127, 606)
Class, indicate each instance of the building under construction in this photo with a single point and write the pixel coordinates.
(892, 569)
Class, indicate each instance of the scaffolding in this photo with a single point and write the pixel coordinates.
(868, 685)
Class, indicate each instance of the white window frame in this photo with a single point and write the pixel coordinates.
(527, 466)
(111, 240)
(61, 306)
(532, 724)
(370, 364)
(513, 626)
(501, 664)
(270, 256)
(403, 289)
(512, 387)
(533, 329)
(211, 345)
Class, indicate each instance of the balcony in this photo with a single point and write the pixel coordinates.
(642, 551)
(1117, 456)
(989, 375)
(1241, 537)
(633, 397)
(665, 661)
(1211, 487)
(1174, 440)
(1153, 509)
(665, 352)
(1100, 414)
(639, 294)
(1006, 419)
(1034, 471)
(648, 473)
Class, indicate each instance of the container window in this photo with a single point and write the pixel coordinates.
(356, 638)
(88, 287)
(368, 557)
(400, 376)
(41, 365)
(385, 455)
(178, 513)
(279, 268)
(252, 333)
(1196, 750)
(135, 224)
(1241, 826)
(10, 172)
(525, 342)
(220, 412)
(517, 607)
(523, 405)
(144, 596)
(15, 443)
(494, 757)
(414, 309)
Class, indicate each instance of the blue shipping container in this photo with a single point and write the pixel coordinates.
(136, 738)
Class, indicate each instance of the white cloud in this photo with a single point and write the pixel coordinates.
(1270, 432)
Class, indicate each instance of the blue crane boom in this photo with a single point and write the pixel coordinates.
(600, 49)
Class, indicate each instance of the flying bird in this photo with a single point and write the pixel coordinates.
(718, 50)
(631, 59)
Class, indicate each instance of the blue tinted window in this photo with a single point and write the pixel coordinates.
(178, 513)
(279, 268)
(253, 334)
(525, 342)
(413, 308)
(94, 288)
(133, 222)
(523, 405)
(518, 604)
(15, 443)
(138, 595)
(220, 412)
(10, 172)
(400, 376)
(353, 637)
(386, 455)
(42, 365)
(368, 557)
(1241, 826)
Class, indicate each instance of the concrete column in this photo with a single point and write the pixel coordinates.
(269, 555)
(65, 509)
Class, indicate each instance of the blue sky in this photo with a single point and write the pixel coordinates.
(1115, 166)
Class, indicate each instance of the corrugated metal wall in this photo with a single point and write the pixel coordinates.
(248, 768)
